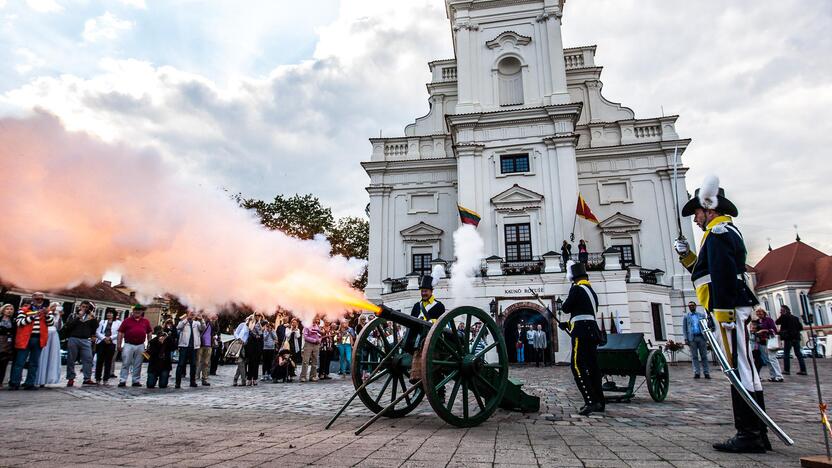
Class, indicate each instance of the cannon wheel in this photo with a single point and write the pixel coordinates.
(463, 380)
(657, 375)
(391, 376)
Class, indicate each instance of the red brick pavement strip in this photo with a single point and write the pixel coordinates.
(282, 425)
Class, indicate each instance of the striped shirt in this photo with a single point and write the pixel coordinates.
(24, 318)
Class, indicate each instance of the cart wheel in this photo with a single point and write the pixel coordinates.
(465, 374)
(376, 340)
(657, 375)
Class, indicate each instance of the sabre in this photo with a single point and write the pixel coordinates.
(731, 373)
(676, 191)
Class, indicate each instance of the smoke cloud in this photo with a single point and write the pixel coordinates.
(75, 207)
(469, 249)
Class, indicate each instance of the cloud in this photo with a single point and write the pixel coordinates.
(138, 4)
(44, 6)
(302, 128)
(107, 26)
(30, 61)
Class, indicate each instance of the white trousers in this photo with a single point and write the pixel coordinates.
(743, 360)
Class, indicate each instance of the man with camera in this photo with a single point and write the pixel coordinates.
(190, 330)
(80, 331)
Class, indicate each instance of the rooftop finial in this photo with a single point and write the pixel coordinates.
(796, 234)
(769, 243)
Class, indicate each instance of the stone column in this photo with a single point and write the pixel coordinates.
(376, 251)
(551, 22)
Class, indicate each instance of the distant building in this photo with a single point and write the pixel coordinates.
(799, 276)
(103, 295)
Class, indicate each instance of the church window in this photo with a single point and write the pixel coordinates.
(510, 78)
(421, 264)
(765, 305)
(518, 242)
(514, 163)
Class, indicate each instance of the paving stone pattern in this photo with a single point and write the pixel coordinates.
(283, 425)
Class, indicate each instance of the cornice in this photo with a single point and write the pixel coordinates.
(513, 36)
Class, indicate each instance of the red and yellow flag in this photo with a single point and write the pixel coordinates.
(583, 210)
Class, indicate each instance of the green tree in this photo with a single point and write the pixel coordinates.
(301, 216)
(350, 237)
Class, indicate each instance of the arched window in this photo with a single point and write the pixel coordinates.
(510, 77)
(819, 318)
(780, 300)
(765, 305)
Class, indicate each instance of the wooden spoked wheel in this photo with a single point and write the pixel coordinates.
(657, 375)
(389, 377)
(465, 369)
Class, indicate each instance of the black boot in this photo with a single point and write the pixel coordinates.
(758, 397)
(749, 442)
(591, 408)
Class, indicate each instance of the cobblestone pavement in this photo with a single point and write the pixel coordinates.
(283, 425)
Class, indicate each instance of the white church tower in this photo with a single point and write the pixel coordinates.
(517, 128)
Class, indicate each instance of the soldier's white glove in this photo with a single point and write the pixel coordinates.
(682, 247)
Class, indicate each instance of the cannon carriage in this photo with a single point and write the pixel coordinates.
(627, 355)
(458, 363)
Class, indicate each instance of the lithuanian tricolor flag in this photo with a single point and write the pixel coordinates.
(583, 210)
(467, 216)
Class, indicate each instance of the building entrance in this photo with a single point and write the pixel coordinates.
(517, 324)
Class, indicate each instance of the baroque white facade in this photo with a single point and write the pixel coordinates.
(517, 127)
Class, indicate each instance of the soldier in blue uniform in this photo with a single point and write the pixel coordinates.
(581, 304)
(718, 274)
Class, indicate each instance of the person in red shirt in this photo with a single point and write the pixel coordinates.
(134, 331)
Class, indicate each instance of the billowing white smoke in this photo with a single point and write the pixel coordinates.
(469, 249)
(74, 208)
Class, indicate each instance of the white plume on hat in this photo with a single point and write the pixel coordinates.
(708, 192)
(437, 274)
(569, 276)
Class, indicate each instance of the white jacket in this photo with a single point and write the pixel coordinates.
(185, 331)
(102, 326)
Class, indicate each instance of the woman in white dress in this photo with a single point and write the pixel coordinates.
(49, 371)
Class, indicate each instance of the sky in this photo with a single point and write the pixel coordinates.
(281, 96)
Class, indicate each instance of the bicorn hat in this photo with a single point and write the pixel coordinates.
(710, 197)
(575, 271)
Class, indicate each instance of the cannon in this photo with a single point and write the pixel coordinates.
(627, 355)
(458, 363)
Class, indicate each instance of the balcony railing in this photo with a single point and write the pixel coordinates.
(398, 284)
(524, 267)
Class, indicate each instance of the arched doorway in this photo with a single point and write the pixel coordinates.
(523, 315)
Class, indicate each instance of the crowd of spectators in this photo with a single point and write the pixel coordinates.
(278, 349)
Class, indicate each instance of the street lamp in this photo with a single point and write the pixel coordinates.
(558, 304)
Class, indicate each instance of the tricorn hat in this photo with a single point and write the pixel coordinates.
(575, 271)
(426, 282)
(710, 197)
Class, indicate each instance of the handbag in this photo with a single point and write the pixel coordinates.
(773, 343)
(234, 349)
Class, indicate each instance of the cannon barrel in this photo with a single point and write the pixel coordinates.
(403, 319)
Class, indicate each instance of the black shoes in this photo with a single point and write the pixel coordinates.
(803, 372)
(205, 383)
(136, 384)
(743, 444)
(695, 376)
(708, 376)
(122, 384)
(591, 408)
